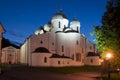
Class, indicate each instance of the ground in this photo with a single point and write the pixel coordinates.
(16, 72)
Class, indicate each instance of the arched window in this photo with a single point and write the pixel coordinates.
(45, 60)
(91, 60)
(77, 28)
(77, 42)
(59, 24)
(58, 62)
(41, 42)
(62, 48)
(73, 57)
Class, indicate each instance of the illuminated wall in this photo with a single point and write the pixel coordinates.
(10, 54)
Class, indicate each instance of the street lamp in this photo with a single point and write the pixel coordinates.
(108, 57)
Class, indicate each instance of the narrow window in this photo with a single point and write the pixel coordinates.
(62, 48)
(41, 42)
(73, 57)
(58, 62)
(59, 24)
(91, 60)
(77, 28)
(77, 42)
(52, 43)
(45, 60)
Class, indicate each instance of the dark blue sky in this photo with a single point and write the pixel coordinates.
(21, 18)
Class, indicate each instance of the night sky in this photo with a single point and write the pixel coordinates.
(21, 18)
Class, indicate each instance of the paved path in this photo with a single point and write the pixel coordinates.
(22, 73)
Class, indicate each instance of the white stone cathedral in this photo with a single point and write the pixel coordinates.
(58, 45)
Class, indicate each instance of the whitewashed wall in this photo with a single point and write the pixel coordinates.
(52, 42)
(38, 59)
(60, 62)
(93, 61)
(14, 52)
(24, 53)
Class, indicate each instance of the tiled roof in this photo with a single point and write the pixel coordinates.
(7, 43)
(61, 13)
(92, 54)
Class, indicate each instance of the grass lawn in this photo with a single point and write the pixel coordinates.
(113, 76)
(67, 70)
(70, 70)
(3, 65)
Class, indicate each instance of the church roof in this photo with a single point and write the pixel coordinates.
(58, 56)
(71, 31)
(49, 22)
(75, 19)
(60, 13)
(7, 43)
(67, 30)
(42, 50)
(59, 32)
(92, 54)
(48, 26)
(40, 29)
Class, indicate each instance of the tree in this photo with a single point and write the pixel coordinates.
(108, 35)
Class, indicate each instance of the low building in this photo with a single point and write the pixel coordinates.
(92, 59)
(10, 55)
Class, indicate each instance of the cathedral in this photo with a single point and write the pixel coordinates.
(59, 43)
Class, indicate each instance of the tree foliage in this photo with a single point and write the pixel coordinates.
(108, 35)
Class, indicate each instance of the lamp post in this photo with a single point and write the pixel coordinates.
(108, 57)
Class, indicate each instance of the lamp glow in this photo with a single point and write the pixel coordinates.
(108, 55)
